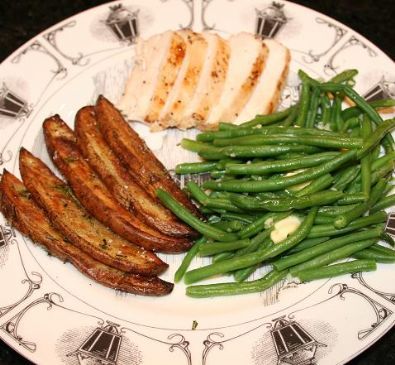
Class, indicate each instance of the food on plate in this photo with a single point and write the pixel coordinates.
(327, 168)
(117, 179)
(94, 195)
(24, 214)
(185, 79)
(81, 229)
(135, 154)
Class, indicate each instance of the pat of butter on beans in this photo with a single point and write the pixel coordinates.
(284, 227)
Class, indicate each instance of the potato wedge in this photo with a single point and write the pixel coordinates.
(25, 215)
(135, 154)
(96, 198)
(74, 222)
(119, 182)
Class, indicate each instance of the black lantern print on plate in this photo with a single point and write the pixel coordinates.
(294, 346)
(6, 234)
(270, 20)
(123, 23)
(11, 105)
(101, 347)
(382, 90)
(390, 226)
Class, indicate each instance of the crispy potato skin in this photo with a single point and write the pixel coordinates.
(95, 197)
(22, 212)
(117, 179)
(135, 154)
(74, 222)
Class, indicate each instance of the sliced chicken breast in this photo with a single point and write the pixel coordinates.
(187, 79)
(167, 76)
(210, 83)
(266, 94)
(158, 60)
(247, 60)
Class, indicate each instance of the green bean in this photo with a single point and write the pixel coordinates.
(282, 182)
(244, 273)
(281, 205)
(221, 164)
(195, 167)
(352, 198)
(268, 118)
(258, 225)
(242, 132)
(355, 97)
(325, 230)
(344, 76)
(333, 211)
(222, 256)
(366, 168)
(305, 78)
(337, 269)
(330, 257)
(370, 254)
(212, 248)
(179, 274)
(383, 250)
(290, 119)
(328, 246)
(323, 219)
(303, 104)
(326, 109)
(245, 218)
(382, 171)
(194, 146)
(212, 290)
(343, 220)
(388, 239)
(255, 257)
(318, 141)
(381, 130)
(383, 160)
(350, 124)
(346, 177)
(307, 243)
(255, 227)
(181, 212)
(224, 126)
(215, 203)
(253, 151)
(319, 184)
(312, 111)
(337, 120)
(355, 111)
(386, 202)
(266, 167)
(229, 226)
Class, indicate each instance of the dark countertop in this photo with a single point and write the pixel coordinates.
(21, 20)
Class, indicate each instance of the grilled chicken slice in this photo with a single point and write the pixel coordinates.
(210, 84)
(187, 80)
(135, 154)
(95, 197)
(158, 60)
(267, 92)
(167, 76)
(247, 60)
(118, 180)
(85, 232)
(24, 214)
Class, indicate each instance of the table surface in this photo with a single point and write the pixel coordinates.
(21, 20)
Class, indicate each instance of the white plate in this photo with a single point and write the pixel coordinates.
(52, 314)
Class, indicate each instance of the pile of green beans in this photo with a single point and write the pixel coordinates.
(326, 165)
